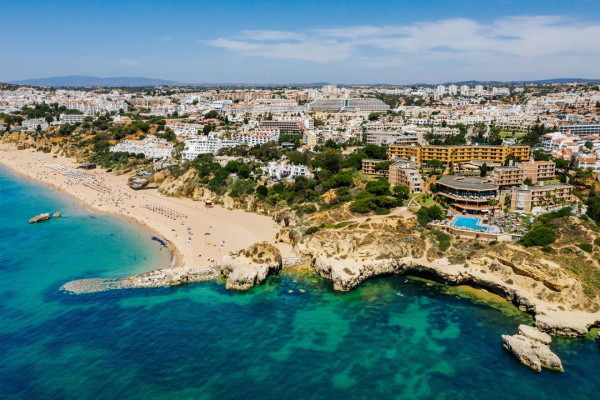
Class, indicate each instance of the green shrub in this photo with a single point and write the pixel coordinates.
(381, 211)
(380, 187)
(587, 247)
(361, 206)
(307, 209)
(443, 240)
(401, 191)
(597, 241)
(546, 218)
(311, 230)
(427, 214)
(548, 250)
(540, 236)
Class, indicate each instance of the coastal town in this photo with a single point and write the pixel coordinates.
(316, 200)
(485, 153)
(346, 181)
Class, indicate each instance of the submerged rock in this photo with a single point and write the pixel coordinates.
(530, 346)
(39, 218)
(56, 215)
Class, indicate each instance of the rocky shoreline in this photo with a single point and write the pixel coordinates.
(347, 257)
(531, 347)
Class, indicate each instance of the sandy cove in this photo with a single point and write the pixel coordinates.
(200, 236)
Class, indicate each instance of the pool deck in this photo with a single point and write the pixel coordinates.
(484, 227)
(490, 233)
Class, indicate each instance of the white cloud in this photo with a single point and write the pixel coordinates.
(513, 42)
(307, 49)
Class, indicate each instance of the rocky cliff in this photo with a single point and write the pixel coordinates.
(349, 255)
(250, 266)
(188, 185)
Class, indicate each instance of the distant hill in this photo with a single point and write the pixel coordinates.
(541, 81)
(94, 81)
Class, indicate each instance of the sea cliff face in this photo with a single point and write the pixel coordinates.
(251, 266)
(350, 255)
(187, 185)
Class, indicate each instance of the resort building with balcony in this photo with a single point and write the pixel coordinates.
(403, 172)
(459, 154)
(506, 177)
(369, 167)
(468, 194)
(538, 171)
(525, 198)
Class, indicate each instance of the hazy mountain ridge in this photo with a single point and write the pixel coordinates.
(94, 81)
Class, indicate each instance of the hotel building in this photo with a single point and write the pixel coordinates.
(458, 154)
(525, 198)
(538, 171)
(151, 147)
(195, 147)
(402, 172)
(581, 129)
(468, 194)
(368, 167)
(505, 177)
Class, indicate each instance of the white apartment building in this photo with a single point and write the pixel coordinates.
(185, 129)
(283, 170)
(500, 91)
(306, 121)
(33, 124)
(558, 140)
(195, 147)
(151, 147)
(585, 161)
(71, 118)
(259, 136)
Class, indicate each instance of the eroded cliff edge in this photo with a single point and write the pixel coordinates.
(562, 302)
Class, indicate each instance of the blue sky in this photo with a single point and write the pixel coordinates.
(301, 41)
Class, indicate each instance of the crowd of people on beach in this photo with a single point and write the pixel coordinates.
(191, 231)
(165, 211)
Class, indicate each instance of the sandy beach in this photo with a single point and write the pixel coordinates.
(201, 236)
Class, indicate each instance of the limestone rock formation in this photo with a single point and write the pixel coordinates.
(288, 235)
(56, 215)
(349, 255)
(531, 348)
(251, 266)
(534, 334)
(39, 218)
(286, 218)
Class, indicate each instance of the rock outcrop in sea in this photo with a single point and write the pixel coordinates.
(243, 270)
(531, 347)
(250, 266)
(39, 218)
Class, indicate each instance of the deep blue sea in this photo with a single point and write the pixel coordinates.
(392, 338)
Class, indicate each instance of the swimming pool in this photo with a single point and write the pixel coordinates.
(472, 223)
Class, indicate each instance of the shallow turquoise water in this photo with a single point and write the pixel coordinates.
(393, 338)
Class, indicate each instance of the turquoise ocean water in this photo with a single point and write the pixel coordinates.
(392, 338)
